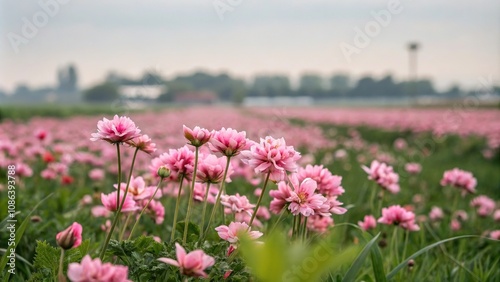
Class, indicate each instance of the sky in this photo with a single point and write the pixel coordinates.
(459, 40)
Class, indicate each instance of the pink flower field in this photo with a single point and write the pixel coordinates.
(252, 194)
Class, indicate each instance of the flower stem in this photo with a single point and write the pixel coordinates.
(260, 198)
(304, 230)
(407, 232)
(144, 208)
(190, 200)
(120, 206)
(177, 204)
(279, 218)
(60, 275)
(217, 201)
(204, 210)
(119, 180)
(395, 243)
(124, 226)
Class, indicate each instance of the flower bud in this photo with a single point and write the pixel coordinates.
(36, 218)
(71, 237)
(163, 171)
(196, 136)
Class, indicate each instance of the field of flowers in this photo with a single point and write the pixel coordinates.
(290, 194)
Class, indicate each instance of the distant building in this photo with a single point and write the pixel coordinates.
(141, 92)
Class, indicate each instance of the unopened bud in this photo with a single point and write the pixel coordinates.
(71, 237)
(36, 218)
(163, 171)
(411, 263)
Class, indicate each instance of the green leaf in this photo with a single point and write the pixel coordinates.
(423, 250)
(358, 263)
(268, 261)
(193, 229)
(47, 257)
(19, 235)
(278, 260)
(378, 264)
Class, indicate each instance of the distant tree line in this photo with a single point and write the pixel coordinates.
(229, 89)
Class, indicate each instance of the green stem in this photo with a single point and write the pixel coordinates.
(190, 200)
(380, 201)
(177, 204)
(204, 210)
(119, 180)
(304, 230)
(407, 232)
(144, 208)
(60, 275)
(217, 201)
(260, 199)
(294, 227)
(120, 206)
(279, 218)
(395, 243)
(124, 226)
(372, 199)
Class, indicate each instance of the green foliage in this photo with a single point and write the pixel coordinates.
(47, 257)
(141, 256)
(105, 92)
(193, 230)
(19, 235)
(358, 263)
(279, 260)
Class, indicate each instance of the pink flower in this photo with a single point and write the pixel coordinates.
(109, 201)
(485, 205)
(496, 215)
(155, 209)
(460, 179)
(400, 144)
(96, 174)
(196, 136)
(211, 169)
(369, 222)
(71, 237)
(455, 225)
(384, 175)
(235, 230)
(495, 235)
(328, 184)
(236, 204)
(280, 197)
(100, 211)
(398, 216)
(191, 264)
(143, 143)
(413, 168)
(229, 142)
(303, 199)
(137, 188)
(319, 223)
(272, 156)
(436, 214)
(200, 191)
(180, 162)
(335, 205)
(94, 270)
(117, 130)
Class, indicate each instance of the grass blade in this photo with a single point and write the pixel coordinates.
(378, 265)
(423, 250)
(359, 261)
(19, 235)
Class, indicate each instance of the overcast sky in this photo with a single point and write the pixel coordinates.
(460, 40)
